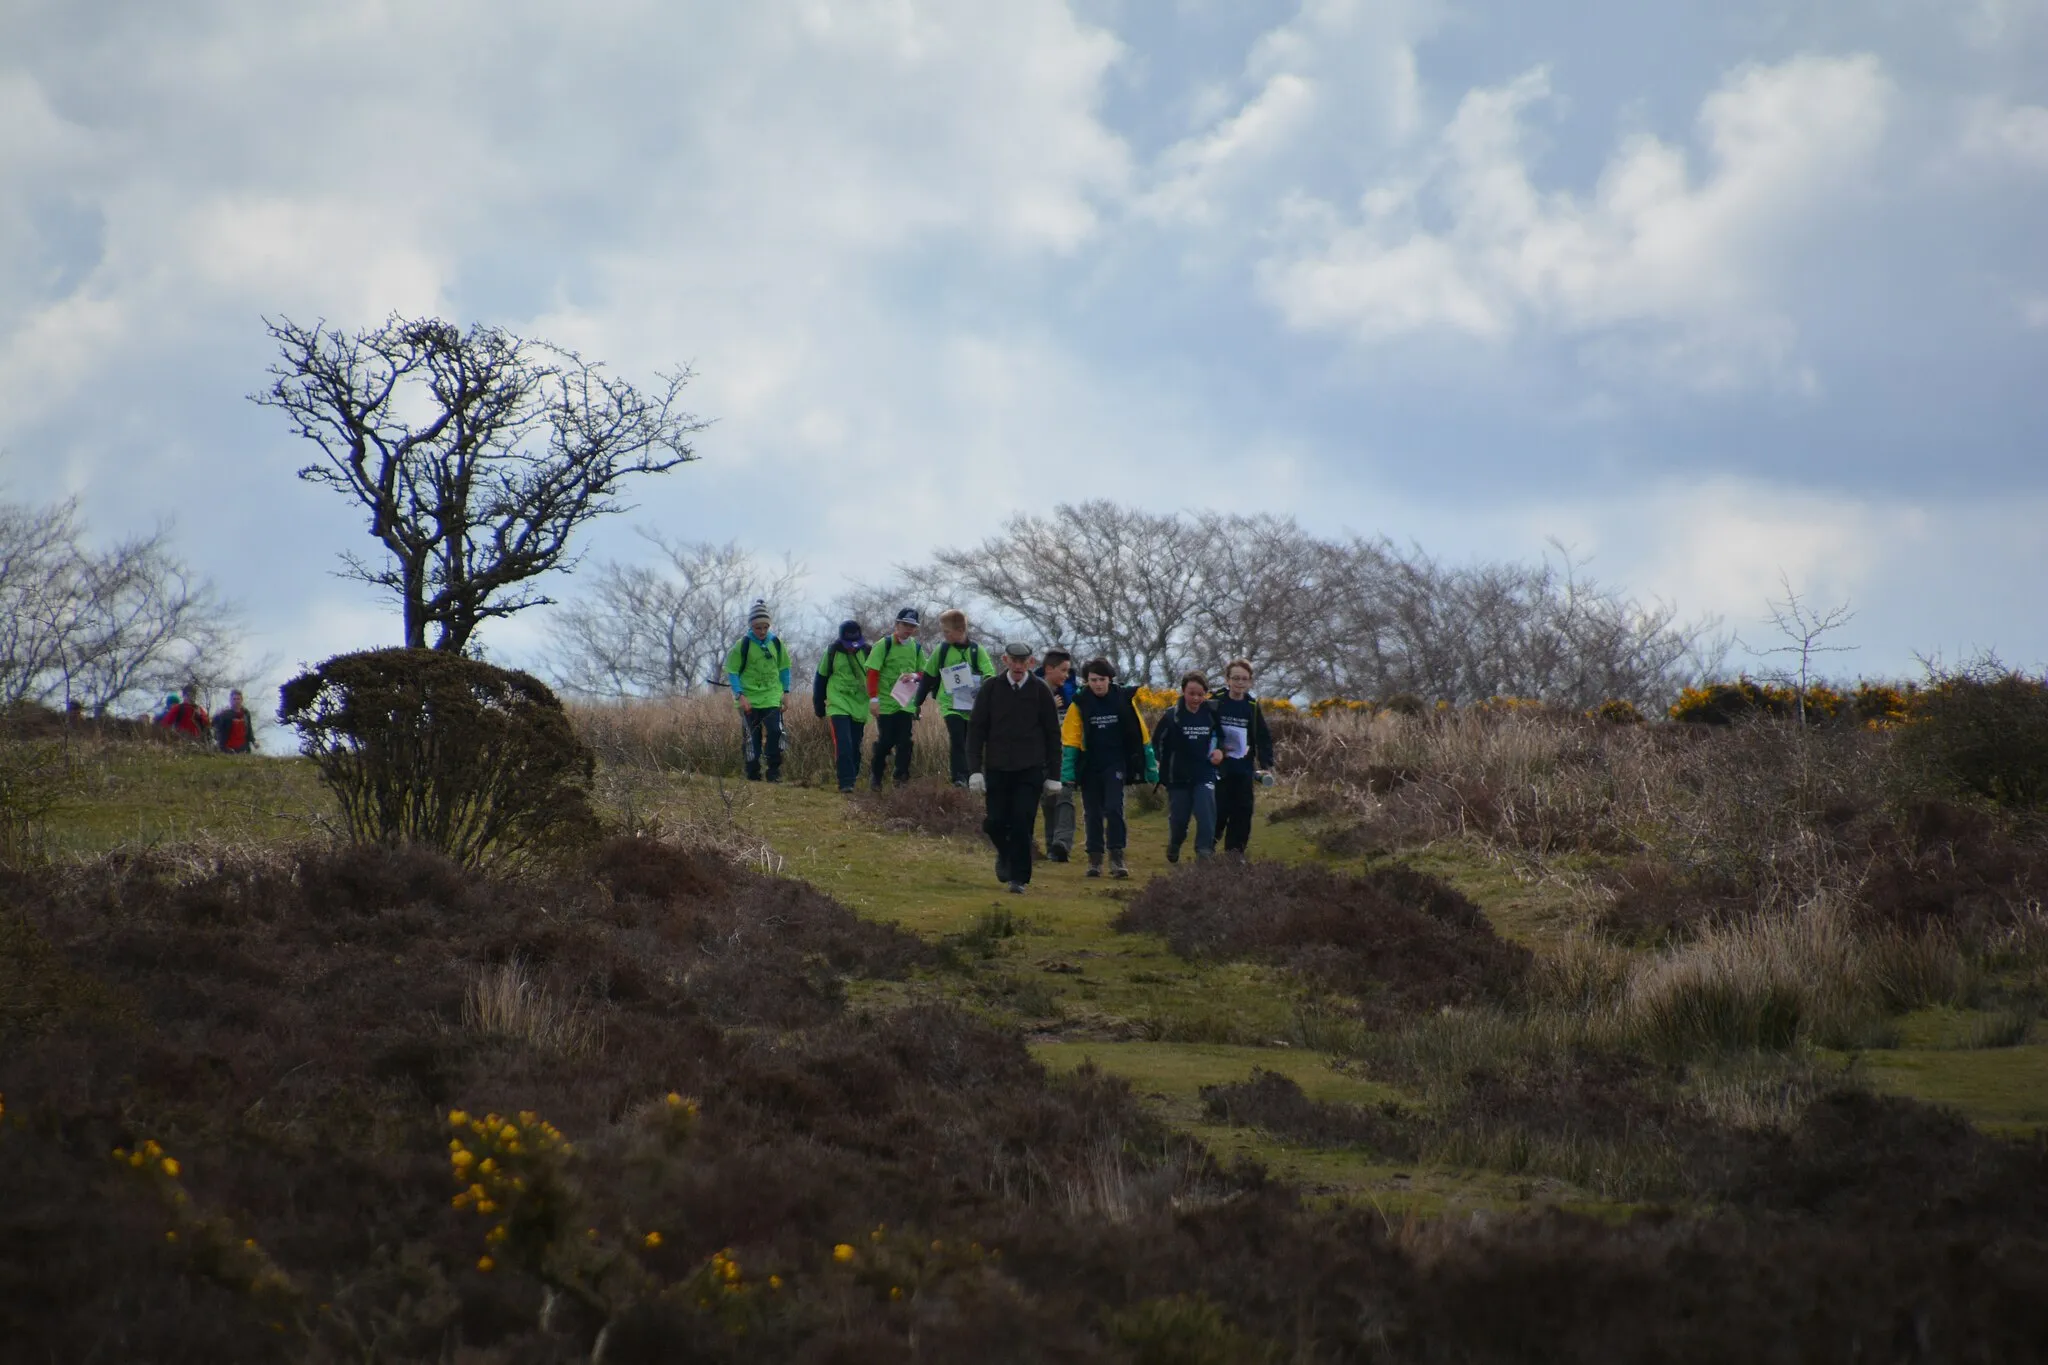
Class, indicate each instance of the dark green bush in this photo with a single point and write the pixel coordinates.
(1983, 728)
(431, 748)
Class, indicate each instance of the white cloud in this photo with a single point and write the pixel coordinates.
(1655, 249)
(1337, 82)
(2034, 312)
(2009, 134)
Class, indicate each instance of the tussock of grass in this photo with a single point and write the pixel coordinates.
(505, 1001)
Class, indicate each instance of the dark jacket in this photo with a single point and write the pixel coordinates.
(1104, 734)
(1014, 728)
(1250, 717)
(1183, 741)
(224, 731)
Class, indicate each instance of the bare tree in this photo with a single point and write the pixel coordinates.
(658, 632)
(477, 454)
(1353, 617)
(103, 627)
(1263, 600)
(1804, 628)
(1095, 577)
(1401, 622)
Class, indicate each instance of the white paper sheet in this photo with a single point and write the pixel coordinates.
(1236, 741)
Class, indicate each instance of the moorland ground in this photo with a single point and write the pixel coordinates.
(1521, 1037)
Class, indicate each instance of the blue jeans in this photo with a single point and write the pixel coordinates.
(1200, 802)
(846, 733)
(1102, 804)
(763, 726)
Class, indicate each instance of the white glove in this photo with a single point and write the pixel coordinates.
(874, 706)
(1052, 786)
(976, 783)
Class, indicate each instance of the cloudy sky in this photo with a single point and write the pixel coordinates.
(1710, 292)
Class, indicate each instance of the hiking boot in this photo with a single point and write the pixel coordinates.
(1016, 888)
(1094, 865)
(1173, 853)
(1059, 853)
(1116, 864)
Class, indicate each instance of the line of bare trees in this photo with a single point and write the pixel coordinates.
(103, 627)
(1161, 593)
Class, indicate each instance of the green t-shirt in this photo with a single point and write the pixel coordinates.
(758, 670)
(890, 661)
(944, 656)
(846, 683)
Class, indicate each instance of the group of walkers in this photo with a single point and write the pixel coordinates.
(1023, 732)
(231, 730)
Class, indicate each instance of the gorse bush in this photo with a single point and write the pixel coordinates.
(1983, 728)
(1873, 704)
(426, 747)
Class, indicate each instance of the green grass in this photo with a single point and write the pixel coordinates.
(2002, 1089)
(127, 795)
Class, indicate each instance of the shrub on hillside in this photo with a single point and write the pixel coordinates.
(1397, 939)
(1983, 728)
(427, 747)
(34, 780)
(932, 808)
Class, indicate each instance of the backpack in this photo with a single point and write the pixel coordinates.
(972, 651)
(747, 640)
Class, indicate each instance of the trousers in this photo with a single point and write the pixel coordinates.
(956, 737)
(1199, 802)
(1012, 812)
(1059, 821)
(763, 728)
(846, 733)
(1234, 809)
(1102, 804)
(893, 731)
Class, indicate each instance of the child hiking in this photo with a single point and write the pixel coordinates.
(1013, 752)
(1190, 749)
(893, 702)
(1058, 807)
(839, 694)
(757, 670)
(1103, 746)
(1247, 755)
(956, 670)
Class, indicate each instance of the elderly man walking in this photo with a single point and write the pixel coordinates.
(1013, 756)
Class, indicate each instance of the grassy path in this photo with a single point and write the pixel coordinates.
(1049, 961)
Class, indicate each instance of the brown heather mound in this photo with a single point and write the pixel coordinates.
(1398, 940)
(1270, 1101)
(923, 807)
(1933, 865)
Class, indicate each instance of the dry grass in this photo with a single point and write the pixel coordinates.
(700, 734)
(505, 1001)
